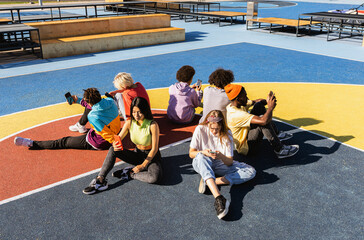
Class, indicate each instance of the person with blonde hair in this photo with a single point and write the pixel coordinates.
(211, 149)
(126, 91)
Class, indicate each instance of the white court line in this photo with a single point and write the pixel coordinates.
(76, 177)
(178, 51)
(162, 148)
(159, 88)
(38, 125)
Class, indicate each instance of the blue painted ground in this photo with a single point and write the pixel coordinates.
(316, 195)
(249, 62)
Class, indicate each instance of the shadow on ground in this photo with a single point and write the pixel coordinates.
(304, 122)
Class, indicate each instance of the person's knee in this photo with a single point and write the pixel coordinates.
(153, 178)
(252, 172)
(245, 174)
(200, 158)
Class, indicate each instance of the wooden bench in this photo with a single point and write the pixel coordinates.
(82, 36)
(4, 21)
(224, 15)
(273, 21)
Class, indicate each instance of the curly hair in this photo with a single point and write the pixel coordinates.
(185, 73)
(221, 77)
(92, 96)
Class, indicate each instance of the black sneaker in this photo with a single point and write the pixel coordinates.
(287, 151)
(221, 206)
(123, 174)
(95, 186)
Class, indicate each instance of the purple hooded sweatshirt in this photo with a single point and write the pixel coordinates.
(182, 102)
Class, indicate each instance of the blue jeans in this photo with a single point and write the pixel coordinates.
(237, 173)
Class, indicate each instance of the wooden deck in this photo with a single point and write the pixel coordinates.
(284, 22)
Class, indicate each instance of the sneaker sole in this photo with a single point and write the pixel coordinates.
(281, 157)
(98, 190)
(285, 139)
(103, 188)
(223, 214)
(89, 193)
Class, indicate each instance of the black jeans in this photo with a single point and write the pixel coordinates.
(78, 142)
(256, 132)
(83, 120)
(152, 174)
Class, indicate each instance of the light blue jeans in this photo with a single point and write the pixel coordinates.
(118, 98)
(237, 173)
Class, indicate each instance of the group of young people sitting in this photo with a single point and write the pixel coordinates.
(226, 124)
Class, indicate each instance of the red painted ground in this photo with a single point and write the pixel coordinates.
(24, 170)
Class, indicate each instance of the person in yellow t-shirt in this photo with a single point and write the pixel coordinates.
(248, 129)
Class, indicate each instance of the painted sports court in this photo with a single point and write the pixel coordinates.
(317, 194)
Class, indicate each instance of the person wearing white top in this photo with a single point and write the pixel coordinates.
(215, 97)
(212, 149)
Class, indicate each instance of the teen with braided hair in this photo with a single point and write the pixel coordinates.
(126, 91)
(211, 149)
(104, 121)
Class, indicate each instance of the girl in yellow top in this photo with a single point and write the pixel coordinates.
(146, 158)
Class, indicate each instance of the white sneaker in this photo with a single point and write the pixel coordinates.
(202, 186)
(26, 142)
(284, 136)
(287, 151)
(78, 128)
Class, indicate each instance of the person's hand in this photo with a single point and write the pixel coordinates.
(272, 101)
(138, 168)
(261, 99)
(219, 155)
(75, 98)
(213, 155)
(198, 88)
(206, 152)
(116, 146)
(209, 153)
(194, 86)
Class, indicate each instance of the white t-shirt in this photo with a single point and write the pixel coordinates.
(203, 139)
(214, 99)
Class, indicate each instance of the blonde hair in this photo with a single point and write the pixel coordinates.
(123, 80)
(224, 129)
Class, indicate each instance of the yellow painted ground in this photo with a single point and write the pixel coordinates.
(334, 111)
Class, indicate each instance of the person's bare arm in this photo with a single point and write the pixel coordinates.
(267, 117)
(124, 131)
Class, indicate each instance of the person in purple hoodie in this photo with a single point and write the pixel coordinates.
(183, 98)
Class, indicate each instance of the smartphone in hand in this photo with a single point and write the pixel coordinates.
(270, 94)
(69, 98)
(118, 141)
(199, 83)
(212, 152)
